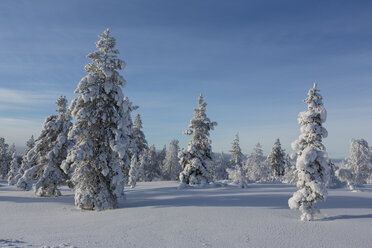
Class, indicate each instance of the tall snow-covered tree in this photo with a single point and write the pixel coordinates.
(101, 139)
(149, 167)
(196, 160)
(14, 166)
(133, 171)
(236, 173)
(171, 165)
(311, 165)
(255, 166)
(25, 164)
(4, 159)
(49, 152)
(276, 160)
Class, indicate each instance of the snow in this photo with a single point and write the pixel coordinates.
(157, 214)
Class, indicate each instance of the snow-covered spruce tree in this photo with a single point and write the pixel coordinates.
(276, 160)
(171, 165)
(196, 160)
(132, 149)
(133, 171)
(26, 163)
(149, 167)
(236, 173)
(49, 153)
(101, 141)
(139, 135)
(255, 166)
(311, 165)
(220, 166)
(4, 159)
(14, 166)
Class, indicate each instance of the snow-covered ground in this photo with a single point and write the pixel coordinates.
(157, 214)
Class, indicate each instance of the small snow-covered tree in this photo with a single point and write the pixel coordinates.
(133, 171)
(311, 165)
(14, 166)
(196, 160)
(149, 167)
(276, 160)
(255, 166)
(25, 164)
(236, 173)
(4, 159)
(101, 139)
(171, 165)
(49, 153)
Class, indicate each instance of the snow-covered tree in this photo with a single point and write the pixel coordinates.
(133, 171)
(311, 165)
(359, 161)
(171, 165)
(25, 164)
(149, 167)
(14, 166)
(236, 173)
(4, 159)
(255, 166)
(237, 156)
(276, 160)
(49, 152)
(101, 139)
(196, 160)
(132, 149)
(139, 135)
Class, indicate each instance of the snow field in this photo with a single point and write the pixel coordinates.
(157, 214)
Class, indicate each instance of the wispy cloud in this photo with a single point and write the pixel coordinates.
(23, 97)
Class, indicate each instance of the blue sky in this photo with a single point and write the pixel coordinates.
(254, 61)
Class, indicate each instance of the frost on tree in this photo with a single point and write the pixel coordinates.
(290, 172)
(196, 160)
(236, 173)
(4, 159)
(334, 181)
(48, 154)
(255, 166)
(311, 165)
(133, 171)
(171, 166)
(149, 166)
(160, 159)
(26, 163)
(14, 166)
(356, 171)
(101, 139)
(276, 160)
